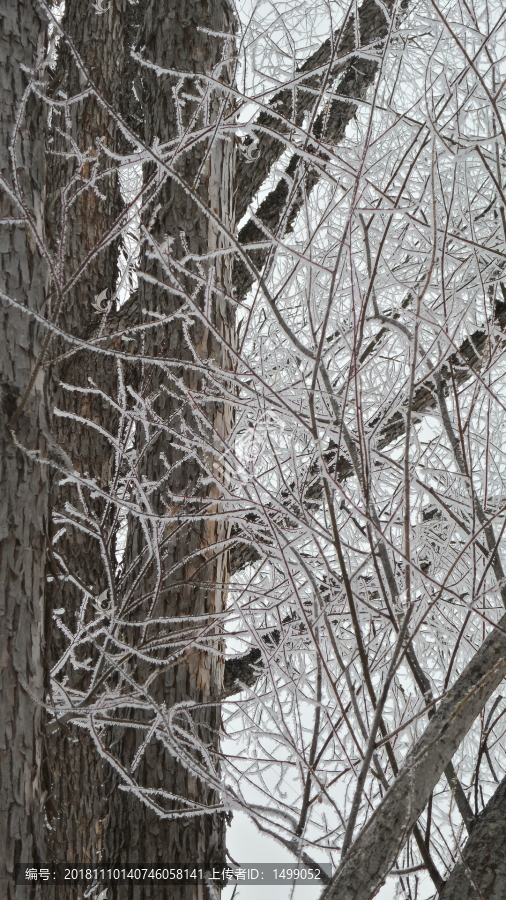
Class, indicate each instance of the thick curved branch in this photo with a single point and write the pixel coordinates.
(278, 210)
(373, 853)
(251, 175)
(482, 869)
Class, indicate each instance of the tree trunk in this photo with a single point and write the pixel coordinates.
(23, 480)
(481, 873)
(373, 852)
(80, 780)
(193, 576)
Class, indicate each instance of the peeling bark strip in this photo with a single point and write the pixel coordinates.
(373, 853)
(23, 481)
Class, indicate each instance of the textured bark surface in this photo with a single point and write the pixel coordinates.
(23, 481)
(79, 780)
(373, 852)
(194, 576)
(481, 873)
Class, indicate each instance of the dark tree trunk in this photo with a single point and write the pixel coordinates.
(481, 873)
(194, 575)
(80, 781)
(23, 480)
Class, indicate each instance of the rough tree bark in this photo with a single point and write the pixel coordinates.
(78, 224)
(481, 873)
(182, 36)
(23, 424)
(373, 852)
